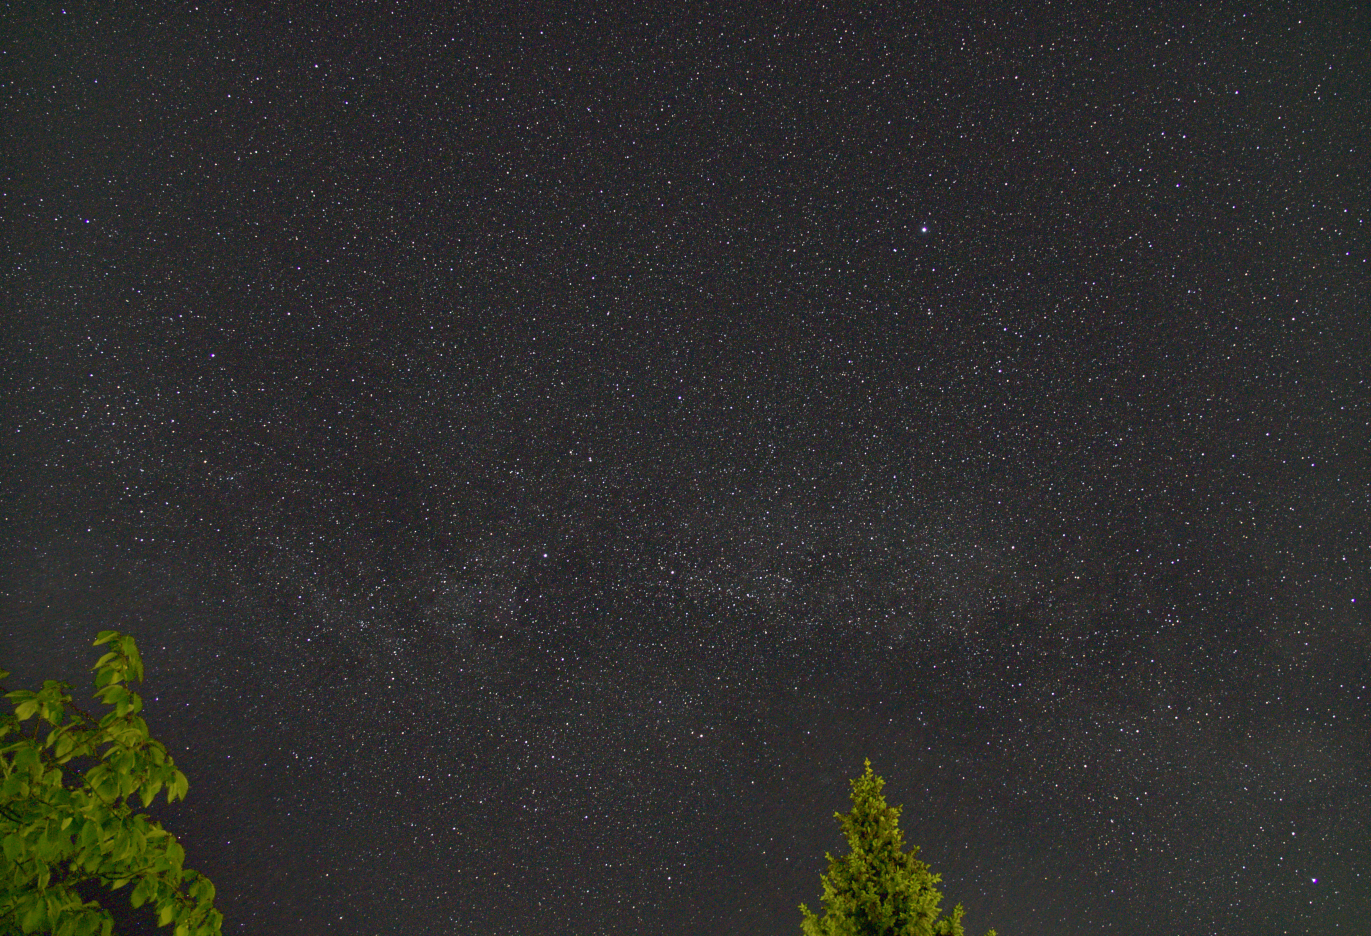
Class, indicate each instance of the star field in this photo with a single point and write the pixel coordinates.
(541, 454)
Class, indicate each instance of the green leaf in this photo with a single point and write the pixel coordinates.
(135, 659)
(113, 694)
(15, 847)
(202, 890)
(105, 637)
(166, 914)
(26, 757)
(122, 760)
(24, 710)
(149, 791)
(33, 915)
(54, 834)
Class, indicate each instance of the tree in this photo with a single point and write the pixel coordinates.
(878, 889)
(56, 836)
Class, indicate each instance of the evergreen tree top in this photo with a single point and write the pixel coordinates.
(878, 889)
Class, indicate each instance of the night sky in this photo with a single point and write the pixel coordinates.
(541, 451)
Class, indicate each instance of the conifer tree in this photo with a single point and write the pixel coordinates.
(878, 889)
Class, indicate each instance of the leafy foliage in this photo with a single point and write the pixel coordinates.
(878, 889)
(56, 836)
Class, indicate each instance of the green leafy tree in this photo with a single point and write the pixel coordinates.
(56, 836)
(878, 889)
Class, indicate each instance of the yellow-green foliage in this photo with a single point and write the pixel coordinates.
(878, 889)
(55, 836)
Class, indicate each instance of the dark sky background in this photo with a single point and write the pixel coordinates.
(541, 452)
